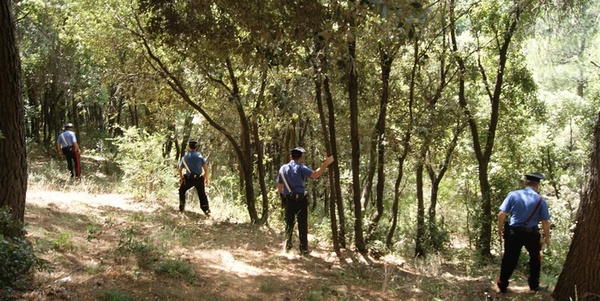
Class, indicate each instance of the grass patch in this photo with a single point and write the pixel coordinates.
(116, 294)
(178, 269)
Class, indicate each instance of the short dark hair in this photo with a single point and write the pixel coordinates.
(296, 155)
(297, 152)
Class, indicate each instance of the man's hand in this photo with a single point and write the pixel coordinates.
(329, 160)
(60, 154)
(283, 200)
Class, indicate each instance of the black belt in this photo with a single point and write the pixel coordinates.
(525, 229)
(296, 196)
(192, 176)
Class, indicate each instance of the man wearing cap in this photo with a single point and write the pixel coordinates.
(527, 208)
(290, 185)
(66, 145)
(196, 175)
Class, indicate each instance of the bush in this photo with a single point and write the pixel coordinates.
(178, 269)
(145, 171)
(16, 255)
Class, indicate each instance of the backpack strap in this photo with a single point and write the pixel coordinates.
(534, 210)
(285, 181)
(62, 136)
(188, 168)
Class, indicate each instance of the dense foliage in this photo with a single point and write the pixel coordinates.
(17, 257)
(433, 110)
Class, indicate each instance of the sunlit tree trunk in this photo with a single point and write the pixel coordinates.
(13, 170)
(579, 279)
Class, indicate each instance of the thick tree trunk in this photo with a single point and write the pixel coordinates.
(579, 279)
(13, 170)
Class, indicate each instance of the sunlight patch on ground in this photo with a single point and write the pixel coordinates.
(225, 261)
(73, 201)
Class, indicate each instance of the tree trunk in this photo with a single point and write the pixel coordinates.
(354, 141)
(334, 167)
(386, 60)
(34, 103)
(259, 147)
(420, 236)
(13, 155)
(330, 203)
(579, 279)
(483, 142)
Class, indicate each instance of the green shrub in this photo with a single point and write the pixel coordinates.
(144, 172)
(16, 255)
(116, 295)
(178, 269)
(146, 253)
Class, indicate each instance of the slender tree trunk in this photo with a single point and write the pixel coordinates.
(34, 103)
(330, 203)
(355, 142)
(435, 184)
(483, 147)
(13, 155)
(334, 168)
(579, 279)
(260, 151)
(389, 241)
(420, 235)
(386, 61)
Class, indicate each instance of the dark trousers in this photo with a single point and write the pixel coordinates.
(296, 206)
(199, 184)
(69, 154)
(513, 244)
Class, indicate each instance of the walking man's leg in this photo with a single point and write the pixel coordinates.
(512, 250)
(202, 197)
(303, 225)
(290, 216)
(534, 247)
(182, 190)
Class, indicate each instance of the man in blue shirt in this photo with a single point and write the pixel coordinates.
(66, 145)
(527, 208)
(290, 185)
(196, 175)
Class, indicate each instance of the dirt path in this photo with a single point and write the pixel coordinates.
(109, 247)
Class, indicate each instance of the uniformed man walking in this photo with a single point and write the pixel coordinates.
(196, 175)
(66, 145)
(290, 185)
(527, 208)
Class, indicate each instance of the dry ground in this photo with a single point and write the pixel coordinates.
(110, 247)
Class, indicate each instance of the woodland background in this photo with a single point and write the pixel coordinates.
(434, 110)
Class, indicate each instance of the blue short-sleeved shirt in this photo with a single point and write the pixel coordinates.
(295, 175)
(66, 139)
(194, 161)
(521, 203)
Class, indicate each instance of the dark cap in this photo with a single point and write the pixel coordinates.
(298, 150)
(534, 177)
(68, 126)
(192, 142)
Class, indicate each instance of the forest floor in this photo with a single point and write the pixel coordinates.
(105, 246)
